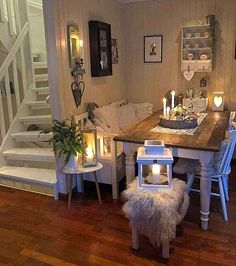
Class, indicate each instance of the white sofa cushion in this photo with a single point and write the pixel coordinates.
(106, 117)
(143, 110)
(126, 116)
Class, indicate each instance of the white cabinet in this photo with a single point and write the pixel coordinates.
(196, 48)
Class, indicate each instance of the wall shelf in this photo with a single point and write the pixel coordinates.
(205, 48)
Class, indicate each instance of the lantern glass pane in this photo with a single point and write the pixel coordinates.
(106, 145)
(89, 141)
(155, 174)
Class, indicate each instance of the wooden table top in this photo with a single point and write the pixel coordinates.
(207, 137)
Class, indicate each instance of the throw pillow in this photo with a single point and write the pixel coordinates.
(126, 116)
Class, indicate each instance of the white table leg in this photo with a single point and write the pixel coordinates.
(130, 167)
(80, 183)
(115, 183)
(165, 250)
(205, 187)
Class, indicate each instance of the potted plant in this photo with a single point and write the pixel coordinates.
(66, 141)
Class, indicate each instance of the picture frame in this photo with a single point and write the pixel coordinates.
(100, 48)
(73, 44)
(153, 46)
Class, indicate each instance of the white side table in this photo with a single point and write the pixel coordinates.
(82, 170)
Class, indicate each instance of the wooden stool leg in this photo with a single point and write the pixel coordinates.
(135, 238)
(97, 187)
(69, 186)
(165, 250)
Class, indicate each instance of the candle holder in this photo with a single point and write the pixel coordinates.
(154, 170)
(89, 138)
(179, 118)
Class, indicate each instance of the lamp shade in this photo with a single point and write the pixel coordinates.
(218, 101)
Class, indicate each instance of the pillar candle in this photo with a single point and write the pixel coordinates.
(164, 106)
(173, 99)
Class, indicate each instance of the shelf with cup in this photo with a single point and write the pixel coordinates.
(196, 48)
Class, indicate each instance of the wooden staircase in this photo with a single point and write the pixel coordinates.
(30, 164)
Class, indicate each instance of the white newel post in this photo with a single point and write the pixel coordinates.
(205, 187)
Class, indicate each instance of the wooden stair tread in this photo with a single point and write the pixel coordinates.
(41, 77)
(34, 175)
(38, 65)
(31, 136)
(30, 154)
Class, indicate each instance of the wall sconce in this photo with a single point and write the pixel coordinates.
(75, 45)
(218, 101)
(89, 138)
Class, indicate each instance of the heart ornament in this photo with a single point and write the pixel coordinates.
(218, 101)
(188, 75)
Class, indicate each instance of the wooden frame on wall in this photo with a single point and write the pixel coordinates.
(153, 45)
(100, 48)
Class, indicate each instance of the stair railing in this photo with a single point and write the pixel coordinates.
(15, 58)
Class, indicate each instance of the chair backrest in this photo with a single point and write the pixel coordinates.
(81, 119)
(228, 154)
(231, 119)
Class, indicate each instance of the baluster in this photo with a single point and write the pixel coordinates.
(10, 18)
(8, 93)
(23, 70)
(17, 16)
(1, 11)
(16, 83)
(2, 121)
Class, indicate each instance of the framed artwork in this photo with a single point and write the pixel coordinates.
(114, 51)
(100, 48)
(153, 49)
(73, 44)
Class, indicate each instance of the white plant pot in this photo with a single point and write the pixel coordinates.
(73, 163)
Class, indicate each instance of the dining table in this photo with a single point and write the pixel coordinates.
(201, 145)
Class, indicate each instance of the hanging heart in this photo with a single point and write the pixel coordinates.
(188, 75)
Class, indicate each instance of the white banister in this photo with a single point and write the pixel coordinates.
(18, 43)
(23, 70)
(17, 17)
(2, 121)
(16, 83)
(8, 94)
(10, 17)
(1, 11)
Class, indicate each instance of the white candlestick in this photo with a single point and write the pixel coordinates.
(168, 111)
(89, 156)
(173, 99)
(156, 169)
(164, 106)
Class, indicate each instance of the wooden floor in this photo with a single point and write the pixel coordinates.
(36, 230)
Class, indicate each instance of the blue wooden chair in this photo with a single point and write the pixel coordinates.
(220, 175)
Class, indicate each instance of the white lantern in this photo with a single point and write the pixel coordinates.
(218, 101)
(154, 170)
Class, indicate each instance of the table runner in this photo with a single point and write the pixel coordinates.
(191, 131)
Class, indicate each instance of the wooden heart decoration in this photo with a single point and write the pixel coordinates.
(188, 75)
(218, 101)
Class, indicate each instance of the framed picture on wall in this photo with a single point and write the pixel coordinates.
(100, 48)
(153, 49)
(73, 44)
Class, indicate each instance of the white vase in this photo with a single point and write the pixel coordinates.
(73, 163)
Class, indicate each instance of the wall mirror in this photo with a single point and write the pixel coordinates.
(75, 45)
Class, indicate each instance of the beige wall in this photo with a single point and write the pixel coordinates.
(149, 82)
(100, 90)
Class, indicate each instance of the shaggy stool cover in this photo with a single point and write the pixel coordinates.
(156, 214)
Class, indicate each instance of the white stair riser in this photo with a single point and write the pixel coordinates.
(30, 157)
(29, 138)
(35, 120)
(41, 77)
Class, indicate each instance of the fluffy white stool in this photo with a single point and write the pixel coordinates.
(155, 214)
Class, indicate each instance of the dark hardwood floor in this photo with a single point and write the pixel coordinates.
(36, 230)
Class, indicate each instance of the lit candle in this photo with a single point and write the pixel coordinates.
(156, 173)
(81, 44)
(168, 111)
(89, 156)
(173, 99)
(164, 106)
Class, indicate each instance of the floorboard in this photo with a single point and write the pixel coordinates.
(36, 230)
